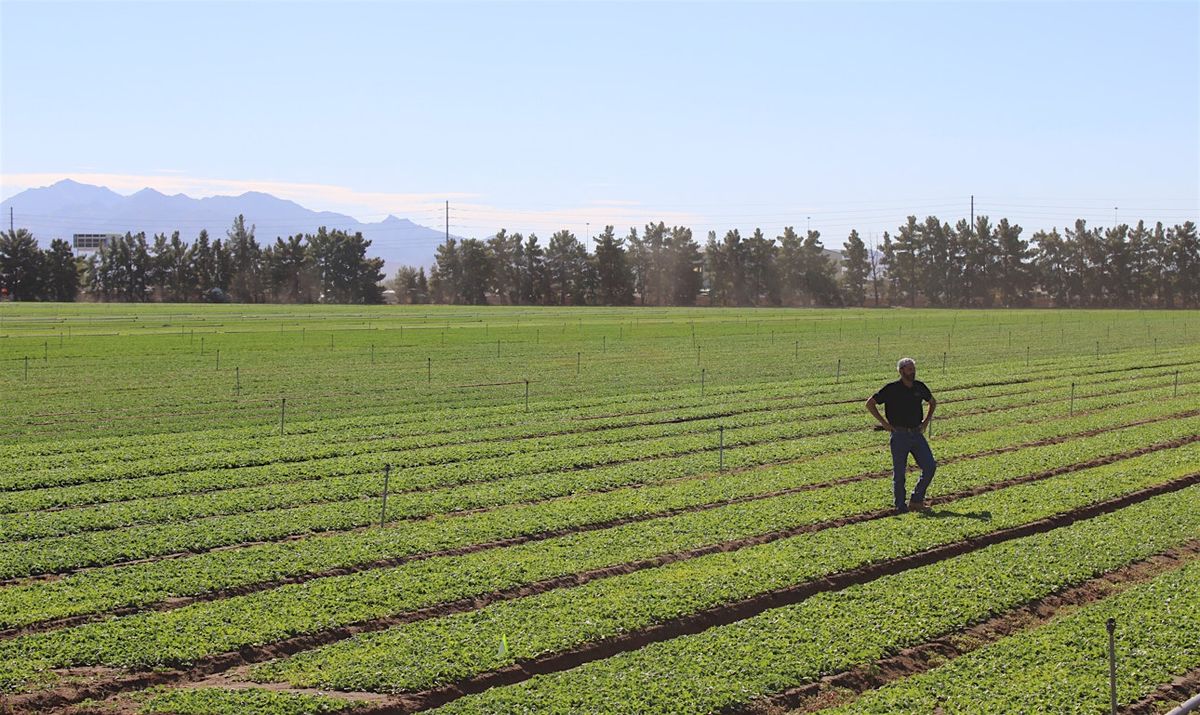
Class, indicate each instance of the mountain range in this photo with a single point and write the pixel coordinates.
(69, 207)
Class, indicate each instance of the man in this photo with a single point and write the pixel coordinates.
(902, 400)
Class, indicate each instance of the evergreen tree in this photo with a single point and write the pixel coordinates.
(535, 284)
(1012, 266)
(245, 255)
(1185, 251)
(61, 273)
(614, 276)
(21, 265)
(854, 278)
(446, 277)
(687, 266)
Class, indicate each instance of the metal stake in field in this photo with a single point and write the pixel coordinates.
(372, 353)
(1072, 399)
(1026, 356)
(27, 368)
(218, 358)
(45, 351)
(578, 359)
(721, 447)
(1176, 394)
(237, 376)
(838, 377)
(1111, 625)
(387, 473)
(497, 348)
(796, 354)
(526, 394)
(943, 364)
(702, 371)
(201, 344)
(428, 369)
(282, 410)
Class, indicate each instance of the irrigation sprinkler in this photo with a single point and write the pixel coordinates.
(526, 394)
(1111, 625)
(838, 376)
(796, 354)
(45, 351)
(878, 352)
(497, 348)
(943, 364)
(1176, 394)
(218, 358)
(1156, 346)
(604, 343)
(721, 448)
(703, 370)
(372, 353)
(1097, 349)
(331, 341)
(282, 410)
(428, 369)
(697, 356)
(201, 344)
(1072, 399)
(387, 473)
(1026, 356)
(578, 359)
(27, 368)
(237, 376)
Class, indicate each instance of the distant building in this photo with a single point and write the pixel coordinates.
(90, 242)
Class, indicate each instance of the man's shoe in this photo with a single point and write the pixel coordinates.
(901, 509)
(918, 506)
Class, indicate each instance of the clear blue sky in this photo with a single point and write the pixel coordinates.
(534, 116)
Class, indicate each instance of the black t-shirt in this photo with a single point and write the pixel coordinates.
(903, 404)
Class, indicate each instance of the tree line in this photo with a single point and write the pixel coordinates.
(327, 266)
(924, 263)
(921, 263)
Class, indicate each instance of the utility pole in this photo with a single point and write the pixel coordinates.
(972, 213)
(447, 222)
(587, 229)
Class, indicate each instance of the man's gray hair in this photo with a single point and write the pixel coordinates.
(905, 361)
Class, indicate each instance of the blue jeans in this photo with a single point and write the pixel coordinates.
(904, 444)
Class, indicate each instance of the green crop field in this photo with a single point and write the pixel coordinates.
(393, 509)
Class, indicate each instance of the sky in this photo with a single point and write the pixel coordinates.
(538, 116)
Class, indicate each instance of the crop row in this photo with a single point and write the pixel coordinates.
(780, 648)
(449, 447)
(183, 635)
(1063, 665)
(305, 487)
(60, 553)
(97, 590)
(436, 652)
(443, 426)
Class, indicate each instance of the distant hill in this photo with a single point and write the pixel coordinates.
(69, 207)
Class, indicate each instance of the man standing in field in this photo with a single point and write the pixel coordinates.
(902, 400)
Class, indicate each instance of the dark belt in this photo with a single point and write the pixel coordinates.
(906, 429)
